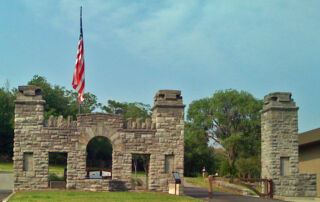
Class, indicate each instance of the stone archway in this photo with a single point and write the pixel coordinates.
(99, 154)
(35, 137)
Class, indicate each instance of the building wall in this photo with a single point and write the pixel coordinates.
(160, 137)
(309, 161)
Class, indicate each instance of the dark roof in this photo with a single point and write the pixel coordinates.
(310, 136)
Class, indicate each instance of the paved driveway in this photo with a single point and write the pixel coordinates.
(6, 184)
(201, 193)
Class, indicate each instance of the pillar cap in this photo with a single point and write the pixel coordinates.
(29, 94)
(279, 101)
(168, 98)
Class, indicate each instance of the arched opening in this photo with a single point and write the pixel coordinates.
(99, 158)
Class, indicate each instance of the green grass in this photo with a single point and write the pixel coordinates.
(6, 167)
(95, 196)
(57, 169)
(204, 183)
(139, 174)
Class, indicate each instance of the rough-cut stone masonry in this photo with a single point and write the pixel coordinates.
(160, 136)
(279, 136)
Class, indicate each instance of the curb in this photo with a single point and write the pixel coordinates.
(8, 197)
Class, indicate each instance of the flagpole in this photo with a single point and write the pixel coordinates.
(80, 33)
(78, 80)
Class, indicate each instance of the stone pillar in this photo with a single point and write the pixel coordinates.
(168, 116)
(279, 143)
(30, 164)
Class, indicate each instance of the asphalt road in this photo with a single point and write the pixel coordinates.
(201, 193)
(4, 194)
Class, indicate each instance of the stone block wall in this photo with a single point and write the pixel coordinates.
(161, 136)
(279, 139)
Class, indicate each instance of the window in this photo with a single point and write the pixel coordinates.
(284, 166)
(27, 161)
(169, 164)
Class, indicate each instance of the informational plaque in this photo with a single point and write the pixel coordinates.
(99, 174)
(176, 177)
(106, 174)
(95, 174)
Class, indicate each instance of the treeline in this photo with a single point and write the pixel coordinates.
(222, 132)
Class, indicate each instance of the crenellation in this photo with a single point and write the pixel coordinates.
(39, 137)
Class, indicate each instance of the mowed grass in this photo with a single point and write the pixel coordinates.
(96, 196)
(6, 167)
(139, 174)
(57, 169)
(204, 183)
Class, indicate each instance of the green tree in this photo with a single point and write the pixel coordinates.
(6, 123)
(89, 104)
(128, 110)
(99, 153)
(197, 153)
(231, 119)
(60, 101)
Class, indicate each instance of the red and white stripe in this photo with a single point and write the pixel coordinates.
(78, 75)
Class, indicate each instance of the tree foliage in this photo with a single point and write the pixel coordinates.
(230, 119)
(6, 122)
(197, 154)
(99, 153)
(60, 101)
(128, 110)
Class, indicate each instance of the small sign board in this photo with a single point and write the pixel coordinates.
(176, 177)
(99, 174)
(106, 173)
(94, 175)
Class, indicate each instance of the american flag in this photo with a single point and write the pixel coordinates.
(78, 75)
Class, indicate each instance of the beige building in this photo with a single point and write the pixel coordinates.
(309, 154)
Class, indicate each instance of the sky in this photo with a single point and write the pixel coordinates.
(134, 48)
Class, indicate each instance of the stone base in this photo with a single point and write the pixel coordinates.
(57, 184)
(174, 189)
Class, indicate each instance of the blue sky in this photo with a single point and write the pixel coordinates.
(134, 48)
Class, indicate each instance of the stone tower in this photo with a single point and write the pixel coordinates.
(29, 119)
(168, 114)
(279, 146)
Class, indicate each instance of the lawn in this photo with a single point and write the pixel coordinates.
(139, 174)
(200, 182)
(6, 167)
(95, 196)
(57, 169)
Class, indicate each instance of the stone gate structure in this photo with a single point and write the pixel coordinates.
(162, 137)
(280, 149)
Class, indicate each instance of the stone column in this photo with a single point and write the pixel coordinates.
(279, 143)
(168, 115)
(29, 118)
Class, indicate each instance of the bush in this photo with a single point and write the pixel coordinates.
(226, 170)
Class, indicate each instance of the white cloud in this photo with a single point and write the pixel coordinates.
(182, 33)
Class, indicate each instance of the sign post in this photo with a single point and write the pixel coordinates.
(210, 178)
(177, 180)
